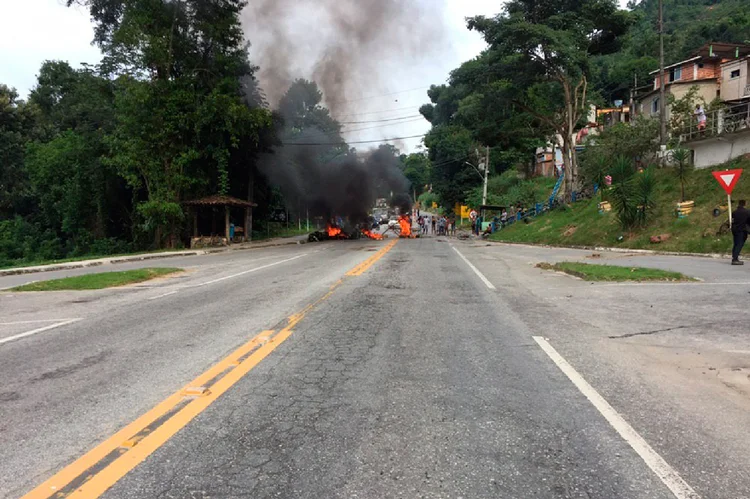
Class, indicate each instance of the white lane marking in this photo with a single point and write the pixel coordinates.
(162, 296)
(170, 293)
(251, 270)
(658, 465)
(476, 270)
(33, 321)
(39, 330)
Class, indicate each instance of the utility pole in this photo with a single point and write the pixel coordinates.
(486, 176)
(483, 170)
(633, 112)
(662, 86)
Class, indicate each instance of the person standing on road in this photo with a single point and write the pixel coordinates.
(434, 224)
(740, 221)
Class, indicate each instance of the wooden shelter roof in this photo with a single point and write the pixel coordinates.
(218, 200)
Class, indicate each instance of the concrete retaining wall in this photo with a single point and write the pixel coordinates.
(718, 150)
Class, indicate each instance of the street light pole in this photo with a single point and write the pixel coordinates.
(486, 176)
(484, 173)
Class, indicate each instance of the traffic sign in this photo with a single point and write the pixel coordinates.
(728, 179)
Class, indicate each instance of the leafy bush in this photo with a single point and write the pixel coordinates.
(636, 140)
(509, 189)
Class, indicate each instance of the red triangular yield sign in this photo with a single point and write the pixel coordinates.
(727, 179)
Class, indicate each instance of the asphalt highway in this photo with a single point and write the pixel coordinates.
(430, 367)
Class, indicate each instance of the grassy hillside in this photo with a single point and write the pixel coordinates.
(583, 225)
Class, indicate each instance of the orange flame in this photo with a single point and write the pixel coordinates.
(333, 232)
(405, 224)
(372, 235)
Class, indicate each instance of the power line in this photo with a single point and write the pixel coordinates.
(382, 126)
(356, 142)
(321, 134)
(377, 96)
(378, 112)
(361, 141)
(379, 121)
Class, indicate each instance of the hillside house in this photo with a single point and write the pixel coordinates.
(714, 69)
(719, 71)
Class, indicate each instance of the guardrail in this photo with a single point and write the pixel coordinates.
(541, 208)
(732, 119)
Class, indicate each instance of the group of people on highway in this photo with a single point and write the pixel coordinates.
(438, 225)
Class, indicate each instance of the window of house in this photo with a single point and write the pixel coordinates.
(700, 65)
(675, 74)
(735, 73)
(655, 106)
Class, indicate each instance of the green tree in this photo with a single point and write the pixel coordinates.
(180, 107)
(450, 147)
(17, 121)
(416, 167)
(80, 196)
(478, 99)
(546, 47)
(688, 25)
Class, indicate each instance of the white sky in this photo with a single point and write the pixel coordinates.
(32, 31)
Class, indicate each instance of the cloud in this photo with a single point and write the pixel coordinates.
(39, 30)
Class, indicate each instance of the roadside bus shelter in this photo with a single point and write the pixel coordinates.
(216, 202)
(486, 213)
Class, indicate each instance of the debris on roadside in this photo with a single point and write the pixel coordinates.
(660, 238)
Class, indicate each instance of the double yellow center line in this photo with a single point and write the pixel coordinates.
(362, 267)
(99, 469)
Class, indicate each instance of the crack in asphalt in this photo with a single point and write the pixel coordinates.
(646, 333)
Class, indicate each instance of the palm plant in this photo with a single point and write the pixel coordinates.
(622, 192)
(643, 192)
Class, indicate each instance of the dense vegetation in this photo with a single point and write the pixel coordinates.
(543, 62)
(99, 160)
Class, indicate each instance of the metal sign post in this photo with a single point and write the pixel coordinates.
(728, 180)
(729, 209)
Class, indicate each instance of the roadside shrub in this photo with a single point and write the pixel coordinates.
(636, 141)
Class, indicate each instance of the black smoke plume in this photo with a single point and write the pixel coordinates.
(326, 182)
(348, 47)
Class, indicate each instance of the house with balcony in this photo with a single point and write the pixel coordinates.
(719, 71)
(704, 70)
(727, 132)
